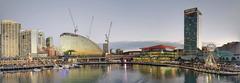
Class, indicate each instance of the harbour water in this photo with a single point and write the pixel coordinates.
(116, 73)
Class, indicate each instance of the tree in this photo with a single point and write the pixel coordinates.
(69, 52)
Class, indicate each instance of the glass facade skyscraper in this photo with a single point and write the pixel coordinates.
(191, 31)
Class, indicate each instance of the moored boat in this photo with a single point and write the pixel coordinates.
(36, 70)
(57, 67)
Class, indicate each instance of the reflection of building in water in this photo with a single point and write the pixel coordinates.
(209, 78)
(87, 74)
(190, 77)
(117, 74)
(18, 77)
(158, 72)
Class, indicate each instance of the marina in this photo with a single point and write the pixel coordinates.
(78, 65)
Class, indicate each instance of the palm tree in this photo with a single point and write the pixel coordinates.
(69, 52)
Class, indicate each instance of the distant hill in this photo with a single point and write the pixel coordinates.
(135, 45)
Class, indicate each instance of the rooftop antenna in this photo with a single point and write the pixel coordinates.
(90, 27)
(74, 25)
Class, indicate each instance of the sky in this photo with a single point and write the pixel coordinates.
(133, 20)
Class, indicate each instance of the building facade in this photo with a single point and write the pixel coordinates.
(41, 42)
(51, 51)
(49, 42)
(81, 46)
(229, 52)
(233, 47)
(105, 48)
(29, 42)
(159, 50)
(191, 31)
(9, 38)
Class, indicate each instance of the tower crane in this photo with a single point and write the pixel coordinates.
(90, 27)
(107, 39)
(74, 25)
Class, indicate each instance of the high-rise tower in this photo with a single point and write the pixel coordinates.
(9, 38)
(191, 31)
(29, 43)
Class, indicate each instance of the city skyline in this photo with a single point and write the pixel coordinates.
(119, 41)
(135, 20)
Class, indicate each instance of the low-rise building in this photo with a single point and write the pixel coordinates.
(133, 53)
(119, 51)
(51, 52)
(159, 50)
(233, 47)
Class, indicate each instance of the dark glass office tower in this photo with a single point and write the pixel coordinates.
(191, 31)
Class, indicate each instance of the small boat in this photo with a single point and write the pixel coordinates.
(36, 70)
(57, 67)
(66, 66)
(76, 66)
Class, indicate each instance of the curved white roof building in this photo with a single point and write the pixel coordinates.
(80, 44)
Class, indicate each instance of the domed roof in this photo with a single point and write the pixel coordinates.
(80, 44)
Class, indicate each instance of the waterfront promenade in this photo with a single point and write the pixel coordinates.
(205, 70)
(50, 65)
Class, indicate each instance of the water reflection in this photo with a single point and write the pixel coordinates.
(116, 74)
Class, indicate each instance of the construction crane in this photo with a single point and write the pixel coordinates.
(106, 45)
(74, 25)
(90, 27)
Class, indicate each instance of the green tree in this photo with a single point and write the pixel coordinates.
(69, 52)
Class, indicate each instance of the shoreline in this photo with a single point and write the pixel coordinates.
(210, 71)
(178, 66)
